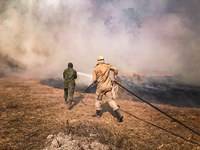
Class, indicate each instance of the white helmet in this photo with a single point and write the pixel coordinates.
(100, 58)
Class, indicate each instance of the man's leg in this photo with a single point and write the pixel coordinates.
(98, 105)
(70, 97)
(114, 106)
(110, 101)
(65, 91)
(66, 95)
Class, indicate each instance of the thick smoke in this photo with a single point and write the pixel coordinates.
(137, 36)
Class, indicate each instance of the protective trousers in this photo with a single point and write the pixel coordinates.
(68, 91)
(109, 99)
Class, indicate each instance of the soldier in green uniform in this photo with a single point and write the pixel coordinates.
(69, 76)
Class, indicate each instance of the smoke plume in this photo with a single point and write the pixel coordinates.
(136, 36)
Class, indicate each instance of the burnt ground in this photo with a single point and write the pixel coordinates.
(164, 90)
(30, 111)
(157, 89)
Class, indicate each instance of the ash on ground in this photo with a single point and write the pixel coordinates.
(162, 89)
(62, 141)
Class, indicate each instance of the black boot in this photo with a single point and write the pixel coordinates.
(98, 114)
(70, 105)
(119, 116)
(66, 102)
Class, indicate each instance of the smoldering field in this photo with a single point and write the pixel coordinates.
(39, 38)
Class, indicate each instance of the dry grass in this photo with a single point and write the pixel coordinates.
(31, 111)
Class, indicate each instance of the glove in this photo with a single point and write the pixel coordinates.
(115, 79)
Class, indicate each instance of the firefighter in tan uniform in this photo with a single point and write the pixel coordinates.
(101, 75)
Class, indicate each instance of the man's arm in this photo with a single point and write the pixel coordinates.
(64, 75)
(94, 76)
(75, 75)
(115, 70)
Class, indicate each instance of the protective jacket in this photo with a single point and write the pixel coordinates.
(101, 75)
(69, 76)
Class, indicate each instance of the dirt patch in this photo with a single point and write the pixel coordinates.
(31, 111)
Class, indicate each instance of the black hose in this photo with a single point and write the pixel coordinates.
(88, 87)
(174, 119)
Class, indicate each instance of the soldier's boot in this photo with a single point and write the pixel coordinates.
(119, 116)
(70, 105)
(66, 101)
(98, 114)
